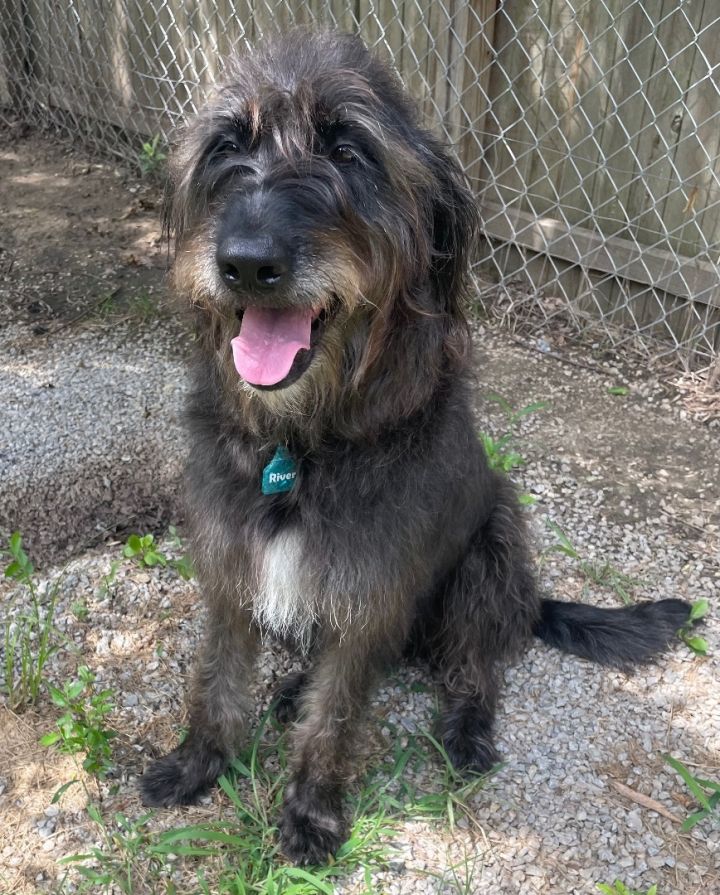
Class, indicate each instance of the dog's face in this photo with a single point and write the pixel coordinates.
(310, 210)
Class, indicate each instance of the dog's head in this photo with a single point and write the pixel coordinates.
(319, 228)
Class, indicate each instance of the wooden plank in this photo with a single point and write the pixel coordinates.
(515, 89)
(690, 214)
(585, 46)
(680, 276)
(664, 92)
(476, 26)
(625, 114)
(15, 60)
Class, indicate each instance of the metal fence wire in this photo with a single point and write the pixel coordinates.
(590, 130)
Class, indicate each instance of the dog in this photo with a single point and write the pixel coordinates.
(338, 495)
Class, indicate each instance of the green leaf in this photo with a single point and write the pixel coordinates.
(710, 784)
(134, 543)
(620, 390)
(57, 696)
(692, 821)
(205, 834)
(691, 783)
(306, 876)
(697, 644)
(565, 545)
(74, 690)
(527, 500)
(59, 793)
(95, 815)
(498, 399)
(15, 543)
(699, 610)
(14, 570)
(227, 788)
(151, 558)
(49, 739)
(530, 408)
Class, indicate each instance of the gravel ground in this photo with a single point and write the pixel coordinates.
(628, 479)
(91, 438)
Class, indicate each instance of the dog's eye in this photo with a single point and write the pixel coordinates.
(343, 155)
(225, 147)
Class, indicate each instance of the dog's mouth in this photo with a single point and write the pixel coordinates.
(276, 345)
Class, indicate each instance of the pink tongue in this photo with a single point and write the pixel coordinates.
(268, 341)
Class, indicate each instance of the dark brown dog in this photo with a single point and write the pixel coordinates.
(323, 240)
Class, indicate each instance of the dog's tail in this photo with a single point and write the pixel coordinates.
(621, 638)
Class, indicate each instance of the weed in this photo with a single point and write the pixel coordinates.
(30, 638)
(243, 848)
(80, 610)
(620, 391)
(240, 855)
(500, 451)
(619, 888)
(143, 306)
(460, 877)
(601, 573)
(254, 864)
(705, 792)
(123, 863)
(151, 157)
(81, 727)
(140, 306)
(106, 589)
(697, 644)
(143, 549)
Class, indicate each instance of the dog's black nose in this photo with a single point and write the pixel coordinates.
(255, 263)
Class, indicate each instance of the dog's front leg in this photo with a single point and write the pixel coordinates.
(312, 826)
(219, 711)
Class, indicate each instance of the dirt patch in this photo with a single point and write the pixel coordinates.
(73, 234)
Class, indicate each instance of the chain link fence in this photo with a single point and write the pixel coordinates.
(589, 128)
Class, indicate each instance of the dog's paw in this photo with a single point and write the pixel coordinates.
(286, 697)
(181, 777)
(468, 744)
(312, 827)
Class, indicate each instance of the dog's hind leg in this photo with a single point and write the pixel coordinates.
(490, 605)
(219, 710)
(287, 696)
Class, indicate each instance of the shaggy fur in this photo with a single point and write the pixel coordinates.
(309, 170)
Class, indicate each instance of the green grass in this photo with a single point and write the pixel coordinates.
(619, 888)
(705, 792)
(140, 306)
(602, 573)
(501, 452)
(239, 854)
(30, 637)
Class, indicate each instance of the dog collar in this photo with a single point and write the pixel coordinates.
(280, 473)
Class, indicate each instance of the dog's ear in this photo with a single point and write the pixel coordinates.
(455, 220)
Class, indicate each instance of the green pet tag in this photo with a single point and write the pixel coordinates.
(280, 473)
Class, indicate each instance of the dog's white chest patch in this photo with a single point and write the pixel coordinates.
(282, 602)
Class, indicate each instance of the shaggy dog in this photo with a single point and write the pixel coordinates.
(338, 494)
